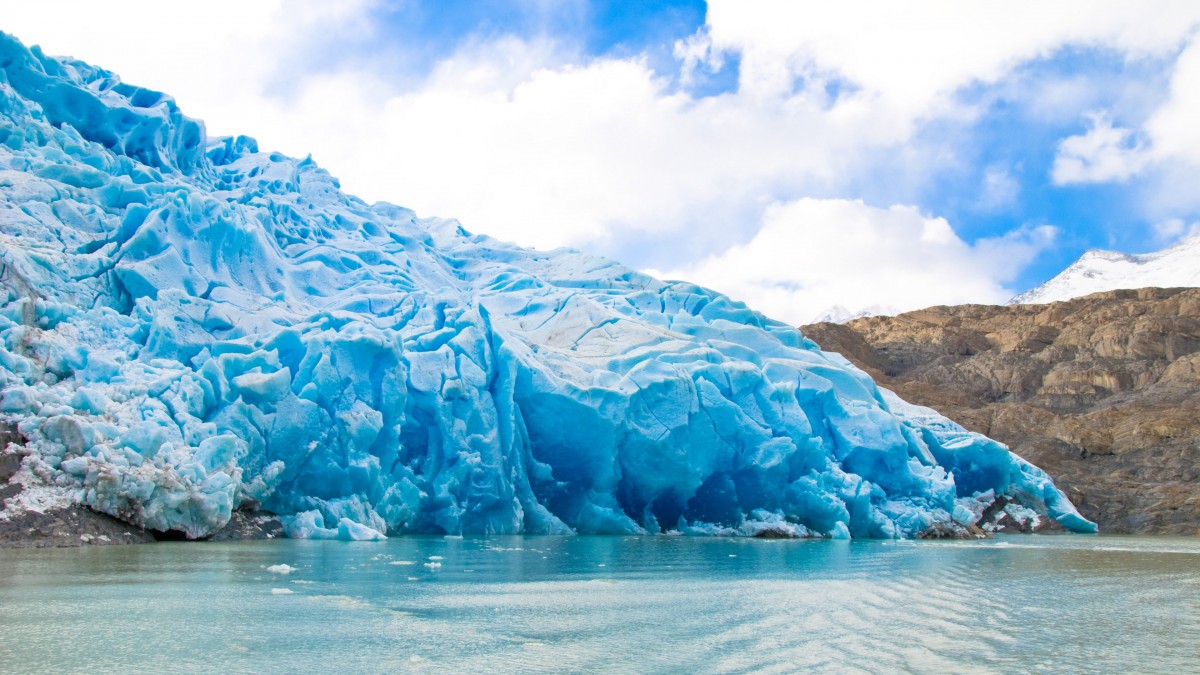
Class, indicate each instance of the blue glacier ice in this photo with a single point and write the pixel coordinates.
(189, 326)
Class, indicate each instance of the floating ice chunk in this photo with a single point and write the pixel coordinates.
(348, 530)
(311, 525)
(281, 569)
(281, 591)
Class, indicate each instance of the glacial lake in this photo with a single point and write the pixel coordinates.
(614, 604)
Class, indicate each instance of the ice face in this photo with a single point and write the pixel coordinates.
(190, 325)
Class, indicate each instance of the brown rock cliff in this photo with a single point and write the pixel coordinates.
(1103, 392)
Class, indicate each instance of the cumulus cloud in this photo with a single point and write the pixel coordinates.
(913, 56)
(1105, 153)
(1168, 141)
(1173, 126)
(814, 254)
(999, 189)
(218, 58)
(582, 153)
(1172, 230)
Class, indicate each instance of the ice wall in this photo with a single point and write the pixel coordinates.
(190, 325)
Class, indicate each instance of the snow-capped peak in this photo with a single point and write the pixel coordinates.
(1098, 270)
(842, 314)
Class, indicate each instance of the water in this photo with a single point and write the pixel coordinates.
(624, 604)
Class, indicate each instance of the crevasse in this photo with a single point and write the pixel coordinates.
(190, 326)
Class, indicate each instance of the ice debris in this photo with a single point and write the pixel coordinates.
(189, 325)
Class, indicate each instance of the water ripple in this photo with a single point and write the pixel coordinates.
(594, 604)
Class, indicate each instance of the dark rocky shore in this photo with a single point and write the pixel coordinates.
(66, 525)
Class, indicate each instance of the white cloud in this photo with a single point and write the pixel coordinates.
(1168, 141)
(1105, 153)
(999, 188)
(218, 58)
(696, 52)
(1172, 230)
(811, 255)
(1173, 127)
(575, 154)
(912, 55)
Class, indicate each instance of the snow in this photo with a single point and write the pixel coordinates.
(841, 314)
(1096, 271)
(189, 325)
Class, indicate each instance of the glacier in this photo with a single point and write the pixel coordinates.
(190, 326)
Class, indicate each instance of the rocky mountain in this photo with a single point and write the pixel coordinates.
(1102, 391)
(1097, 270)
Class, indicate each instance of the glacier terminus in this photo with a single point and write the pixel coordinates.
(190, 326)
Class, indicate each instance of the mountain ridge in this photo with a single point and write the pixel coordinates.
(1100, 270)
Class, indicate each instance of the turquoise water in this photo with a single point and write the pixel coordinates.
(624, 604)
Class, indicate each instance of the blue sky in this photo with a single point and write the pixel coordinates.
(793, 155)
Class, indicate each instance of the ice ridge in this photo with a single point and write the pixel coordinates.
(190, 326)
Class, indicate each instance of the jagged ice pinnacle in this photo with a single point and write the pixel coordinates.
(189, 326)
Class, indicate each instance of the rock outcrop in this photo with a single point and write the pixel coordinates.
(1103, 392)
(53, 524)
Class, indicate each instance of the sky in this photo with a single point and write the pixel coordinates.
(798, 156)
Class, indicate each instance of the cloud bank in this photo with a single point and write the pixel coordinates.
(812, 255)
